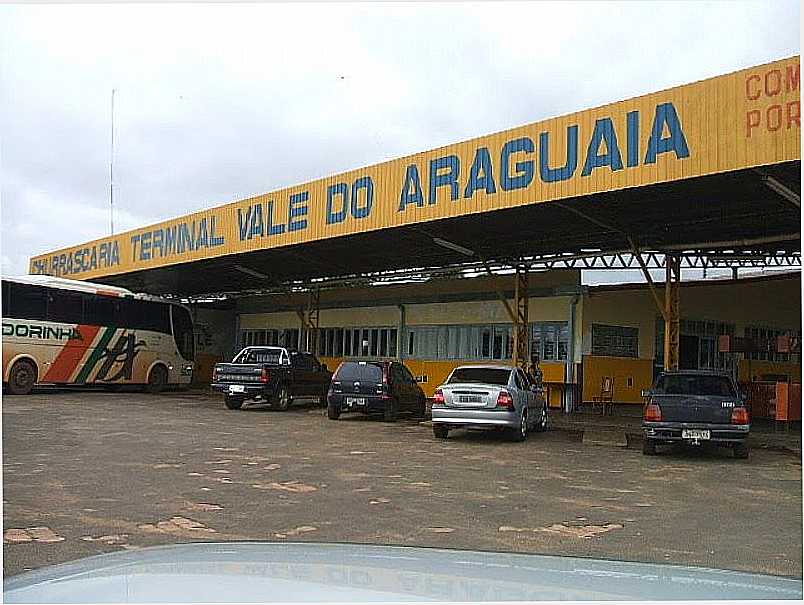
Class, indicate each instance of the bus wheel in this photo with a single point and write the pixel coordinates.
(157, 379)
(22, 377)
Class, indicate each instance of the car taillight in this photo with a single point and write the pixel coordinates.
(264, 376)
(653, 413)
(438, 397)
(739, 416)
(504, 400)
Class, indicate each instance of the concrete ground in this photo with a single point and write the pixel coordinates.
(91, 472)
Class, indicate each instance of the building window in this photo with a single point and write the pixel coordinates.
(765, 338)
(282, 338)
(357, 342)
(460, 342)
(550, 339)
(615, 341)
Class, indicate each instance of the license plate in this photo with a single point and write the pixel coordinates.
(695, 434)
(237, 388)
(355, 401)
(470, 399)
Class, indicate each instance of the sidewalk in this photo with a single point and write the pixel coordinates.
(623, 431)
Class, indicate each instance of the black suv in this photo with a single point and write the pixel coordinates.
(374, 387)
(695, 407)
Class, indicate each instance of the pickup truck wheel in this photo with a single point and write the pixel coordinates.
(649, 447)
(282, 399)
(741, 451)
(420, 411)
(440, 431)
(391, 409)
(333, 411)
(233, 403)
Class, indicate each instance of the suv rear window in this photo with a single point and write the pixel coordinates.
(365, 372)
(691, 384)
(481, 375)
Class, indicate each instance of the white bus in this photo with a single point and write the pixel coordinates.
(61, 331)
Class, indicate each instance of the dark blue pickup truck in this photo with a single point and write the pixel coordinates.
(695, 407)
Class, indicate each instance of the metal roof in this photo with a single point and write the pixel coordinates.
(726, 211)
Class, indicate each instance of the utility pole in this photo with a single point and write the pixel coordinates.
(111, 173)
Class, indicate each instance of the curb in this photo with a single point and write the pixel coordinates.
(635, 439)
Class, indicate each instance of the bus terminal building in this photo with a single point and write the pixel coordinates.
(475, 251)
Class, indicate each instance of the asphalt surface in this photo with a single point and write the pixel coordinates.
(91, 472)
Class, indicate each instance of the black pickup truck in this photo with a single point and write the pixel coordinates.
(695, 407)
(273, 375)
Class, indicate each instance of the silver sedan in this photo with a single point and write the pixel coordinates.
(489, 397)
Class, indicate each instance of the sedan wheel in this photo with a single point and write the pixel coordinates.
(544, 422)
(521, 433)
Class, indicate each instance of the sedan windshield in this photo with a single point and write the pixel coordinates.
(690, 384)
(481, 375)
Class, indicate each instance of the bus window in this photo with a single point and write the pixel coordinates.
(183, 331)
(146, 315)
(65, 306)
(101, 311)
(26, 302)
(6, 294)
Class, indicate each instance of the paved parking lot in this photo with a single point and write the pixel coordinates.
(91, 472)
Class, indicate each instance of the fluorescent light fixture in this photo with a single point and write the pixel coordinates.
(251, 272)
(453, 246)
(791, 196)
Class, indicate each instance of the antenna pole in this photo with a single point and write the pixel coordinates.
(111, 173)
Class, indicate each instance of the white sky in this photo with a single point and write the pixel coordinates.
(220, 102)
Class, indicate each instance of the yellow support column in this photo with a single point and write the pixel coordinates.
(521, 336)
(672, 311)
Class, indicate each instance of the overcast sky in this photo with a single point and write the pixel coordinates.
(219, 102)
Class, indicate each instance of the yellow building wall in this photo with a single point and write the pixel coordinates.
(754, 370)
(436, 371)
(630, 377)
